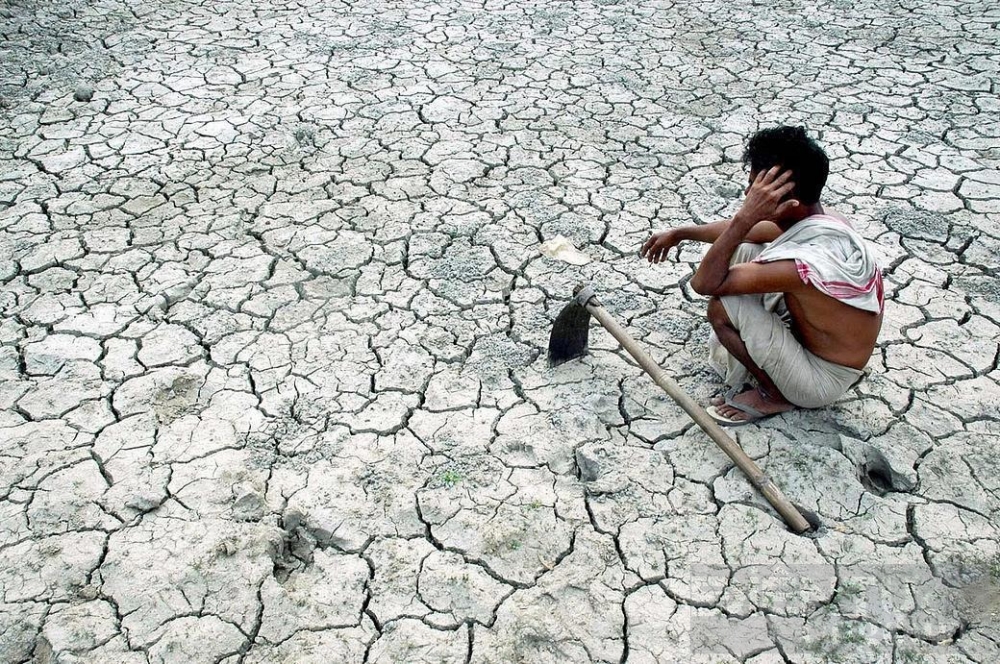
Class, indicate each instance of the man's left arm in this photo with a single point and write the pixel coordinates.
(746, 278)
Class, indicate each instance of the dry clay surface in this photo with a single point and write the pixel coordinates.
(273, 384)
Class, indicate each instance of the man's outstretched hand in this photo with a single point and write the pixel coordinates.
(656, 247)
(765, 197)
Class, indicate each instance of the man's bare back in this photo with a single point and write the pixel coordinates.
(830, 329)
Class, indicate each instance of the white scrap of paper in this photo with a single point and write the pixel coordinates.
(563, 250)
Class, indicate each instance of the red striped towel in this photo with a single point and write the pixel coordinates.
(834, 258)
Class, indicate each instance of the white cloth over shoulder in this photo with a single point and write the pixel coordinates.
(832, 257)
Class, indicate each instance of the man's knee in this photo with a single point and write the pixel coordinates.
(717, 315)
(746, 252)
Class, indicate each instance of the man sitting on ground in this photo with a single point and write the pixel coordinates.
(796, 296)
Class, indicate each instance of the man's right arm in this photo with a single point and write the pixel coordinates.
(656, 247)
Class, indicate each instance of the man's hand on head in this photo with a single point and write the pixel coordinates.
(765, 199)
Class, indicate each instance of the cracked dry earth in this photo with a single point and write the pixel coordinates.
(273, 317)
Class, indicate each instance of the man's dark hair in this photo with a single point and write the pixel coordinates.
(790, 148)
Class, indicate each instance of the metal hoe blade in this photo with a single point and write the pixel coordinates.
(571, 331)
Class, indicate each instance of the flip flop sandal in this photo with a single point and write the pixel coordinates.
(753, 415)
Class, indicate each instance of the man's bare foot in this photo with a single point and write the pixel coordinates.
(756, 400)
(720, 399)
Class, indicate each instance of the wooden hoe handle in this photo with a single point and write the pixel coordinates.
(764, 484)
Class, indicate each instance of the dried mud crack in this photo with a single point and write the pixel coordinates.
(273, 320)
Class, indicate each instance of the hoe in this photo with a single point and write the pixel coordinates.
(569, 340)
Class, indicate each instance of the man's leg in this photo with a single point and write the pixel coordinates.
(766, 398)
